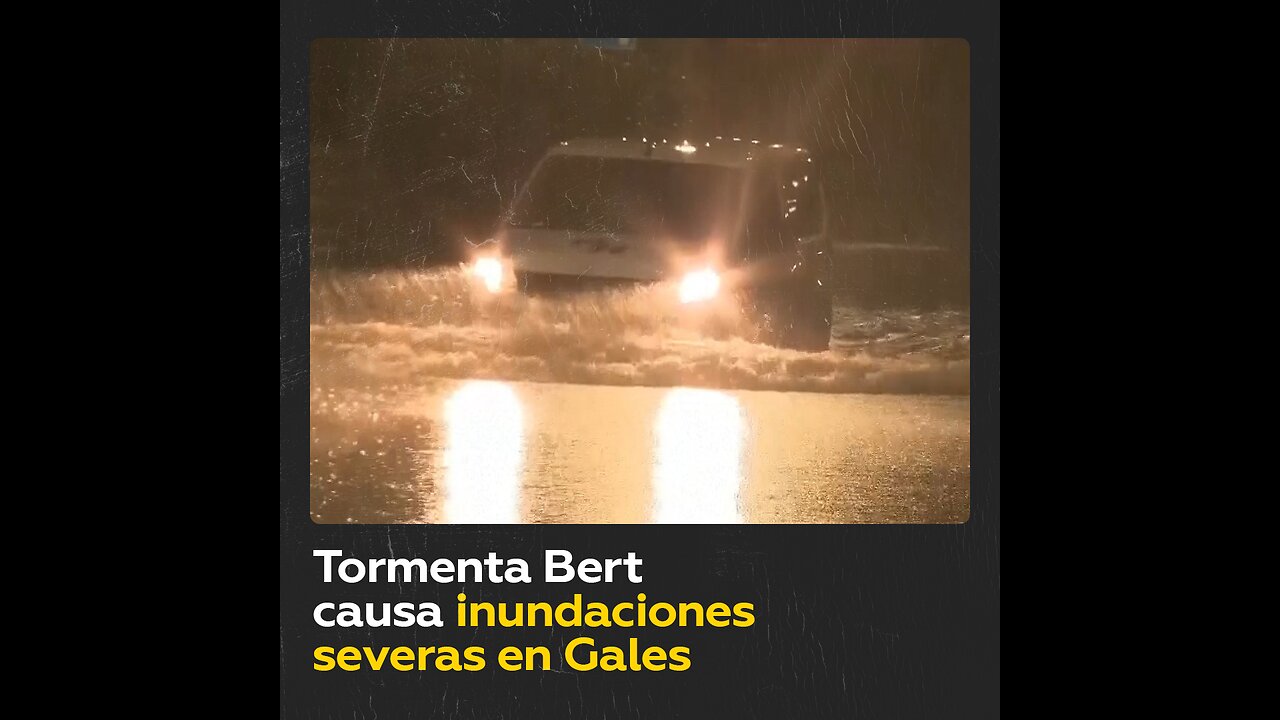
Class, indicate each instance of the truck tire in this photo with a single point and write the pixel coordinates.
(795, 316)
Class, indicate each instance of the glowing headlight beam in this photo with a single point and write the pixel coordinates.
(699, 285)
(483, 454)
(698, 457)
(489, 271)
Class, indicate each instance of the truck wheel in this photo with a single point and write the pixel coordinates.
(796, 317)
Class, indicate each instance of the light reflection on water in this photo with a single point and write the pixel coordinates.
(697, 469)
(498, 452)
(483, 455)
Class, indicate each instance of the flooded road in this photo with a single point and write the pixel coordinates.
(397, 326)
(507, 452)
(613, 408)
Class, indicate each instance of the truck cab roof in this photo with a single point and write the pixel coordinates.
(724, 151)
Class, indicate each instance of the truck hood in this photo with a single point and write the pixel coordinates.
(595, 255)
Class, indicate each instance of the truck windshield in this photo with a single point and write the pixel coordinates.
(682, 201)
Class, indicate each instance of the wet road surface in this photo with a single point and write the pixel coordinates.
(428, 406)
(509, 452)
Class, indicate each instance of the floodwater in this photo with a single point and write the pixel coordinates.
(487, 451)
(614, 408)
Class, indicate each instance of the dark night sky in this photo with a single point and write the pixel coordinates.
(417, 143)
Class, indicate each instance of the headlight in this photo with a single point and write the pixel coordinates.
(699, 285)
(489, 271)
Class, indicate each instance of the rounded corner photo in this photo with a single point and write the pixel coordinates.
(634, 280)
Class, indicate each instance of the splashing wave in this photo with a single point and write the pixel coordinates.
(396, 326)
